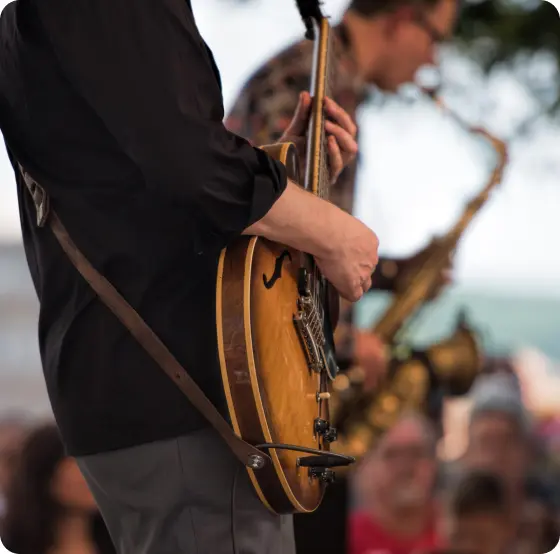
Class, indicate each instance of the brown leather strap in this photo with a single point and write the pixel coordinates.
(247, 454)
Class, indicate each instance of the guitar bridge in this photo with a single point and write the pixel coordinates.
(310, 331)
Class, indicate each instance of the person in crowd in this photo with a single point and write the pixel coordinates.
(475, 516)
(49, 507)
(499, 432)
(395, 511)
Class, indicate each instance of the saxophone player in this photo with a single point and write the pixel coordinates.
(378, 42)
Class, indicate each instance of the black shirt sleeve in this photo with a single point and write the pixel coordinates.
(142, 66)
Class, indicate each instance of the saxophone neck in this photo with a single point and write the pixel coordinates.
(478, 201)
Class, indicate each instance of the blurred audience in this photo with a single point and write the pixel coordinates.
(501, 440)
(395, 512)
(49, 508)
(495, 499)
(501, 497)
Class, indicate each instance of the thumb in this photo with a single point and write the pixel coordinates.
(299, 121)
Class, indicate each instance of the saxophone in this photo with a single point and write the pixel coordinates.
(412, 377)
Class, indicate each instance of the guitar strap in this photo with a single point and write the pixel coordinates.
(247, 454)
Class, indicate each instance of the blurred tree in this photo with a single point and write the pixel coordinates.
(501, 30)
(498, 33)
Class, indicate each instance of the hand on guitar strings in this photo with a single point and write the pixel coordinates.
(340, 131)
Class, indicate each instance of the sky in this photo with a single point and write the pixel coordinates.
(418, 167)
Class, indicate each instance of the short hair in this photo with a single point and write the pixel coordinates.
(369, 8)
(478, 492)
(500, 393)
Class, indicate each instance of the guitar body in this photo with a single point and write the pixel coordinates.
(273, 395)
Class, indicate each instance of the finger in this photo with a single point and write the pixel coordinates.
(301, 116)
(336, 163)
(346, 142)
(356, 294)
(336, 113)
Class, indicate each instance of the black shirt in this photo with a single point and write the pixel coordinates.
(115, 107)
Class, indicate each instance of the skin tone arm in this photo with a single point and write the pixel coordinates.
(344, 248)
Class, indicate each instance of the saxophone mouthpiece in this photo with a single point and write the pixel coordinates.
(432, 92)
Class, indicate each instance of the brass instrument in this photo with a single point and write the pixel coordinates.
(449, 366)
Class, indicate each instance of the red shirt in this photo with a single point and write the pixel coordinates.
(368, 537)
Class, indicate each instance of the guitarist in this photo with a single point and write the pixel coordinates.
(115, 109)
(379, 43)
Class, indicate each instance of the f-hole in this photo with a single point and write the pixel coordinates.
(269, 283)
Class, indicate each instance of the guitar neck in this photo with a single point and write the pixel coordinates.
(317, 169)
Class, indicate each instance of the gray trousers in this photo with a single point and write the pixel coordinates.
(188, 495)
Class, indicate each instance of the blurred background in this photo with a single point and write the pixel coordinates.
(418, 168)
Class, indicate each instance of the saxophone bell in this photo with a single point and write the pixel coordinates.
(457, 360)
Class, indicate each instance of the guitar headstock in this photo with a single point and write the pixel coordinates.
(310, 10)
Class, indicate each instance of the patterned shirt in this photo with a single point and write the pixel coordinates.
(267, 104)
